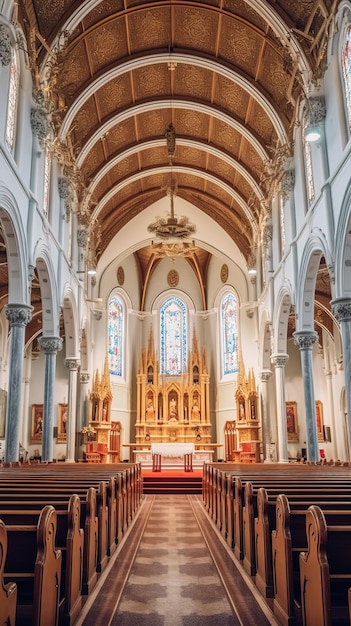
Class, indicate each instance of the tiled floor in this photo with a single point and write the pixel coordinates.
(166, 574)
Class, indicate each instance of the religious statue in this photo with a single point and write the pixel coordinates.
(195, 411)
(150, 411)
(173, 414)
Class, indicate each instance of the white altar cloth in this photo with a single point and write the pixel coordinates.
(172, 450)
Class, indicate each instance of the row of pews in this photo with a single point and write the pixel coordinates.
(59, 526)
(290, 527)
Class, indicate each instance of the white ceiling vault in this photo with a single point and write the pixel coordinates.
(230, 75)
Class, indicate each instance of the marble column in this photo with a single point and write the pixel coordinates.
(304, 340)
(18, 316)
(73, 366)
(342, 310)
(83, 408)
(265, 377)
(50, 345)
(279, 361)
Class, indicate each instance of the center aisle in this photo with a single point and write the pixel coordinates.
(166, 574)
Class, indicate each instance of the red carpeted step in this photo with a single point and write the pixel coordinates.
(176, 482)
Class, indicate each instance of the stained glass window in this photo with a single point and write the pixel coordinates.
(173, 334)
(47, 171)
(12, 101)
(229, 323)
(282, 224)
(115, 335)
(346, 72)
(308, 165)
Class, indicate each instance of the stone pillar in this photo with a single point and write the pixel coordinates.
(73, 366)
(18, 316)
(342, 310)
(50, 345)
(265, 376)
(279, 361)
(82, 410)
(304, 340)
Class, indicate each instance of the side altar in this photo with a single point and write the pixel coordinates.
(172, 408)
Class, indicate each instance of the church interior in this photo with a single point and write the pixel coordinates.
(175, 263)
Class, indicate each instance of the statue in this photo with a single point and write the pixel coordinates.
(173, 414)
(150, 411)
(195, 411)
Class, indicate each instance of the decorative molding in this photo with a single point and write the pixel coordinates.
(82, 238)
(39, 123)
(224, 273)
(173, 278)
(5, 45)
(287, 184)
(120, 275)
(317, 111)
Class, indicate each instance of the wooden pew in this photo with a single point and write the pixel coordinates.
(8, 592)
(69, 538)
(34, 565)
(325, 571)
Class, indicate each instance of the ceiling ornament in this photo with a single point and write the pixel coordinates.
(173, 250)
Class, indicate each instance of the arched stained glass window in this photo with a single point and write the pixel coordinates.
(282, 224)
(308, 165)
(173, 334)
(47, 173)
(346, 72)
(115, 335)
(229, 323)
(12, 101)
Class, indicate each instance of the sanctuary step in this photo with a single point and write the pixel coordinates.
(176, 482)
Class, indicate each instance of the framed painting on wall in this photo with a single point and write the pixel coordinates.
(37, 423)
(62, 423)
(3, 399)
(319, 419)
(291, 421)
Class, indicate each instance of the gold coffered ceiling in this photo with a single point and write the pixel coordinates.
(229, 75)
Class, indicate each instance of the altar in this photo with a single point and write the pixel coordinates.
(172, 455)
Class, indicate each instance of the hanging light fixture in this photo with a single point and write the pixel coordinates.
(172, 227)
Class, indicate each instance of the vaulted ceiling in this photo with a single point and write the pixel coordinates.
(229, 75)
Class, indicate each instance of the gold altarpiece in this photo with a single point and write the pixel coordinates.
(242, 436)
(106, 439)
(172, 408)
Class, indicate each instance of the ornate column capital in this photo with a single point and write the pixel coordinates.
(265, 375)
(18, 314)
(341, 308)
(5, 45)
(63, 187)
(72, 364)
(279, 360)
(39, 123)
(287, 183)
(317, 111)
(84, 377)
(82, 238)
(305, 339)
(51, 345)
